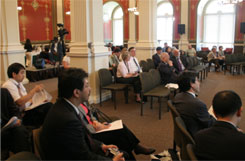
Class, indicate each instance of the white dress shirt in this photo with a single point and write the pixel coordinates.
(135, 67)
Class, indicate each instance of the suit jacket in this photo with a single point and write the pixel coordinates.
(113, 59)
(175, 63)
(193, 112)
(156, 59)
(167, 72)
(8, 107)
(65, 137)
(222, 141)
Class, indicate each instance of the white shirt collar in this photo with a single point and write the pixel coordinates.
(193, 94)
(228, 122)
(14, 81)
(76, 108)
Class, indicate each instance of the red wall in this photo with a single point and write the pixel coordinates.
(67, 19)
(192, 19)
(35, 20)
(124, 4)
(240, 17)
(177, 11)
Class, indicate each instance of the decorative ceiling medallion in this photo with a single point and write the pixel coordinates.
(35, 5)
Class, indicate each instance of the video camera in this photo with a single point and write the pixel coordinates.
(62, 31)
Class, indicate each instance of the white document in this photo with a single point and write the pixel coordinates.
(39, 98)
(211, 112)
(172, 85)
(115, 125)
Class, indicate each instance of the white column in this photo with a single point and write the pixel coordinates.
(145, 47)
(183, 43)
(132, 25)
(60, 15)
(87, 27)
(10, 48)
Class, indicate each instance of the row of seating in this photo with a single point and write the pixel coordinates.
(147, 65)
(235, 62)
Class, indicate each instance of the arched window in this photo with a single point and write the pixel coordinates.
(113, 23)
(218, 24)
(165, 23)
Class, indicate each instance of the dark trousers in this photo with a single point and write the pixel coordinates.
(15, 139)
(36, 116)
(135, 81)
(124, 139)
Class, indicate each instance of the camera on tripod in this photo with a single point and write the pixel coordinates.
(62, 31)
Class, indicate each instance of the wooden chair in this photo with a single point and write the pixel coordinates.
(36, 141)
(106, 83)
(190, 152)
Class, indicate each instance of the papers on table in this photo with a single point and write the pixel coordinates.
(116, 125)
(211, 112)
(172, 85)
(38, 99)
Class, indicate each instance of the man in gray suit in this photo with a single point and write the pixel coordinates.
(192, 110)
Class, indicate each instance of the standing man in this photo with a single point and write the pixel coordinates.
(179, 61)
(64, 135)
(16, 74)
(192, 110)
(191, 51)
(157, 57)
(135, 67)
(224, 140)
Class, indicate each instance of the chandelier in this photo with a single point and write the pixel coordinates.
(230, 1)
(134, 10)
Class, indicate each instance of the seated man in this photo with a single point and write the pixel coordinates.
(14, 139)
(224, 140)
(123, 138)
(214, 58)
(179, 61)
(114, 58)
(193, 111)
(134, 61)
(167, 70)
(34, 117)
(46, 55)
(64, 135)
(157, 57)
(191, 51)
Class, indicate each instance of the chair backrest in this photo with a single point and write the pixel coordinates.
(23, 156)
(156, 77)
(173, 110)
(190, 152)
(144, 66)
(151, 64)
(36, 140)
(105, 77)
(190, 62)
(186, 137)
(146, 81)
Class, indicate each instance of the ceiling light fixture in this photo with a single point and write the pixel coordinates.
(230, 1)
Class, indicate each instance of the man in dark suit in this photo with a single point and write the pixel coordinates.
(166, 69)
(64, 135)
(157, 57)
(224, 140)
(179, 61)
(192, 110)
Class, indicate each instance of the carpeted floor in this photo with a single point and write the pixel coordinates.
(151, 131)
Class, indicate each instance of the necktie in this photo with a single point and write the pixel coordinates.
(179, 64)
(137, 64)
(19, 90)
(87, 111)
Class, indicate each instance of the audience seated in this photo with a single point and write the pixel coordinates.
(221, 55)
(179, 61)
(47, 56)
(191, 51)
(214, 58)
(15, 138)
(169, 51)
(224, 140)
(114, 58)
(134, 63)
(192, 110)
(125, 74)
(124, 139)
(64, 135)
(157, 57)
(167, 70)
(34, 117)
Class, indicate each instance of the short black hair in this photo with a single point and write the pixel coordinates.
(46, 48)
(226, 103)
(131, 48)
(116, 50)
(14, 68)
(69, 80)
(158, 48)
(185, 79)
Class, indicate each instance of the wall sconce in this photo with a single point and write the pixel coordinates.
(19, 8)
(134, 10)
(68, 12)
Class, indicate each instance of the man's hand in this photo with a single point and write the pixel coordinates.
(99, 126)
(38, 88)
(106, 147)
(170, 63)
(119, 157)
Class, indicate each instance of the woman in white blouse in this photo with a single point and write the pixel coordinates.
(127, 76)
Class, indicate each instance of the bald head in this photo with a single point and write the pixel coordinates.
(164, 57)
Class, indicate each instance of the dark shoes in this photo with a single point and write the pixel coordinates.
(139, 149)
